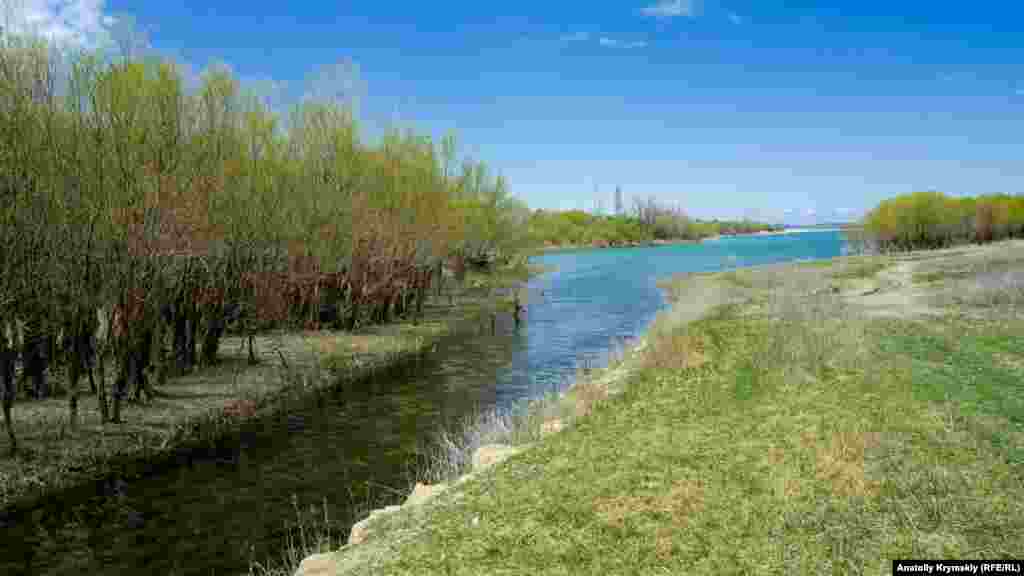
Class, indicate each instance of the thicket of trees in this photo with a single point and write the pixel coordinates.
(935, 220)
(161, 213)
(649, 220)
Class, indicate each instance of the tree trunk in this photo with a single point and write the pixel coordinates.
(193, 334)
(211, 339)
(8, 388)
(101, 376)
(252, 353)
(124, 375)
(314, 306)
(73, 357)
(180, 339)
(186, 331)
(517, 309)
(91, 346)
(157, 360)
(73, 375)
(33, 354)
(140, 359)
(353, 321)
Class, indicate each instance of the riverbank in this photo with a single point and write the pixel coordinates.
(783, 232)
(827, 415)
(199, 408)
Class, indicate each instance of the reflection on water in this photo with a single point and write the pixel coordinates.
(214, 512)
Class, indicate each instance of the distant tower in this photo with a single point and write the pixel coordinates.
(618, 200)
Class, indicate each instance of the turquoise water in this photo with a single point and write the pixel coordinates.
(597, 296)
(219, 509)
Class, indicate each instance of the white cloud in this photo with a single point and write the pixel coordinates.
(788, 211)
(735, 18)
(64, 22)
(672, 8)
(576, 37)
(810, 212)
(612, 43)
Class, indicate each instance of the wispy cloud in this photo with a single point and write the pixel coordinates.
(605, 41)
(672, 8)
(576, 37)
(64, 22)
(735, 18)
(612, 43)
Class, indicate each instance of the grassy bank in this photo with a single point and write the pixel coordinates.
(821, 417)
(212, 401)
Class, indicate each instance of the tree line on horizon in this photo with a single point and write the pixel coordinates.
(648, 220)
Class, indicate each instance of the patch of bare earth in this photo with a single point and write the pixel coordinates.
(892, 293)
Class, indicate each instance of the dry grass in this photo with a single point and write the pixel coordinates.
(684, 499)
(675, 352)
(840, 461)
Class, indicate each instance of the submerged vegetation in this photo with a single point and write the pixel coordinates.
(934, 220)
(143, 221)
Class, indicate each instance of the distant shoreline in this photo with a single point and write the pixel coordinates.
(565, 247)
(560, 247)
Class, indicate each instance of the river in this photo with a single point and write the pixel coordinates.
(215, 512)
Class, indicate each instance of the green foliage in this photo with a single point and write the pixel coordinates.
(130, 170)
(123, 191)
(934, 220)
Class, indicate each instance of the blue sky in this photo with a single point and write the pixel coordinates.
(795, 111)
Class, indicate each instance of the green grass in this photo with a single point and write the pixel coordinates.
(817, 263)
(737, 278)
(860, 270)
(803, 444)
(929, 277)
(980, 372)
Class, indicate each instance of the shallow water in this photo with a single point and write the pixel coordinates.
(218, 510)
